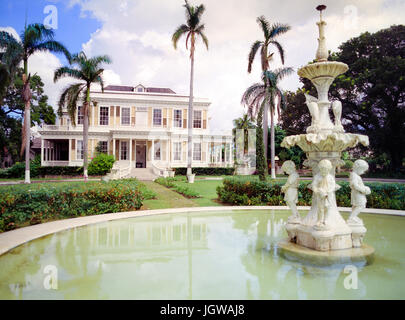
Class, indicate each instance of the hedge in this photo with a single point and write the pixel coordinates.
(251, 192)
(22, 204)
(183, 190)
(207, 171)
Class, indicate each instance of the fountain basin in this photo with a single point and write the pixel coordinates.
(196, 253)
(323, 69)
(325, 142)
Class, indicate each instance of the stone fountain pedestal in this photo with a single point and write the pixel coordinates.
(323, 232)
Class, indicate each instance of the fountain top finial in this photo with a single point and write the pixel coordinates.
(320, 8)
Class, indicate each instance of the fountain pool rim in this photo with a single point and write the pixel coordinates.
(14, 238)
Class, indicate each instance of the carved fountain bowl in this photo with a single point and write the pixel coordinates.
(323, 69)
(325, 142)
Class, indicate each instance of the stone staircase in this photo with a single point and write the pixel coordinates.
(143, 174)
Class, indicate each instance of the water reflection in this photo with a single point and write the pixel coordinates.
(217, 255)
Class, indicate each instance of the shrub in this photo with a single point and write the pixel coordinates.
(207, 171)
(16, 171)
(60, 171)
(252, 192)
(101, 164)
(34, 203)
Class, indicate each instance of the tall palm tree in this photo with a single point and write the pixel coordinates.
(258, 95)
(270, 32)
(35, 38)
(192, 29)
(88, 71)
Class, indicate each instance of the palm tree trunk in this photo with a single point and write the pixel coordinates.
(266, 134)
(190, 118)
(27, 122)
(273, 166)
(86, 132)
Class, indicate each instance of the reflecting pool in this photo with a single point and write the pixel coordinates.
(207, 255)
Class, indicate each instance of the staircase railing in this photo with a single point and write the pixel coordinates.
(160, 172)
(123, 172)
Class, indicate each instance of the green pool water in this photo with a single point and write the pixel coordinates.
(211, 255)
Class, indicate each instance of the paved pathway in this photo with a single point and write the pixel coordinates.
(166, 198)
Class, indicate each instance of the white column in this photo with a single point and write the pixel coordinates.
(153, 150)
(42, 151)
(130, 153)
(167, 151)
(114, 148)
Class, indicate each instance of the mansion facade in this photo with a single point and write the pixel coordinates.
(142, 127)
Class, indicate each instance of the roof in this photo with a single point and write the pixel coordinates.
(131, 89)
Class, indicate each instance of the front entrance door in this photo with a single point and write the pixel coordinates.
(140, 156)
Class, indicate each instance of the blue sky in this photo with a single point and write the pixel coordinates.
(73, 30)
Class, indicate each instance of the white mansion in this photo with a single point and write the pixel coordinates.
(142, 127)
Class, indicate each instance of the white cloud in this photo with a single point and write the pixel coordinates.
(136, 34)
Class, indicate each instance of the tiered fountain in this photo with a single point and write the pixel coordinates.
(323, 230)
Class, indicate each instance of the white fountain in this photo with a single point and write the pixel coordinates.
(323, 229)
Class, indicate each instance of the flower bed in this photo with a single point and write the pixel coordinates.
(250, 192)
(31, 204)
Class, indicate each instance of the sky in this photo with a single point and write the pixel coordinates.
(136, 34)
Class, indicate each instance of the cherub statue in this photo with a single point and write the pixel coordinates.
(359, 191)
(290, 190)
(337, 112)
(312, 104)
(324, 186)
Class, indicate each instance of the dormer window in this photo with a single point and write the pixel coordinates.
(139, 88)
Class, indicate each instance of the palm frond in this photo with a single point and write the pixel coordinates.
(69, 98)
(203, 37)
(6, 39)
(279, 48)
(281, 73)
(181, 30)
(255, 46)
(278, 29)
(264, 24)
(52, 46)
(97, 60)
(68, 72)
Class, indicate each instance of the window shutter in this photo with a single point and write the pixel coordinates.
(133, 116)
(204, 153)
(170, 118)
(117, 115)
(184, 146)
(163, 150)
(110, 149)
(73, 151)
(117, 149)
(149, 117)
(204, 119)
(164, 117)
(95, 116)
(111, 122)
(184, 118)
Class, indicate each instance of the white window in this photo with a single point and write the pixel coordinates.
(157, 117)
(140, 89)
(80, 115)
(197, 151)
(125, 116)
(177, 151)
(197, 119)
(177, 119)
(124, 150)
(79, 150)
(103, 116)
(157, 150)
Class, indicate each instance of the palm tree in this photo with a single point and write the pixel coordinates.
(270, 34)
(35, 38)
(258, 95)
(244, 123)
(88, 71)
(192, 29)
